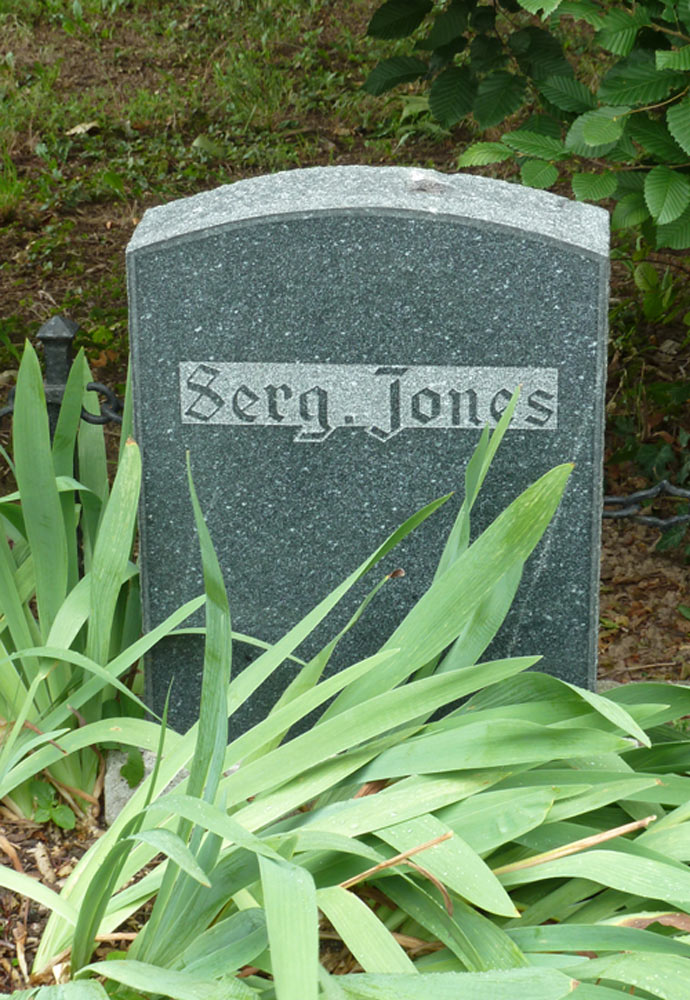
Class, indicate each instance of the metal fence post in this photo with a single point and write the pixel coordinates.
(56, 336)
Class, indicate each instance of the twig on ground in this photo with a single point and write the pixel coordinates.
(575, 846)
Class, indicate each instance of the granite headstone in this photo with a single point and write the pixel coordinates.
(328, 343)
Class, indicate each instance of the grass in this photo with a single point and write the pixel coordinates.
(108, 106)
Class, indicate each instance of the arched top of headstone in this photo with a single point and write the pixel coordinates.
(404, 190)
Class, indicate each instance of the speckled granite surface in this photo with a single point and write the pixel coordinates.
(327, 343)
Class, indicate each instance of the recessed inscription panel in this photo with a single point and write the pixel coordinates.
(383, 400)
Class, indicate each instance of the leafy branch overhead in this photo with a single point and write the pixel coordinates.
(603, 92)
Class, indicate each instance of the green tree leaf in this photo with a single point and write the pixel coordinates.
(445, 55)
(646, 276)
(535, 144)
(539, 53)
(582, 10)
(538, 174)
(482, 18)
(498, 95)
(452, 95)
(673, 58)
(544, 125)
(653, 135)
(567, 93)
(678, 121)
(398, 18)
(630, 211)
(667, 194)
(603, 125)
(447, 26)
(619, 29)
(480, 154)
(624, 151)
(594, 187)
(636, 80)
(575, 143)
(486, 53)
(534, 6)
(391, 72)
(676, 234)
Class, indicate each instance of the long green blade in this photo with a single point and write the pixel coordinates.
(23, 885)
(512, 984)
(212, 734)
(452, 861)
(368, 939)
(36, 482)
(440, 615)
(244, 685)
(641, 876)
(599, 937)
(152, 979)
(111, 552)
(292, 921)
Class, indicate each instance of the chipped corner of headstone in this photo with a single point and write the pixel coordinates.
(427, 182)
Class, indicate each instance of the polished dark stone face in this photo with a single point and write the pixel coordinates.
(328, 344)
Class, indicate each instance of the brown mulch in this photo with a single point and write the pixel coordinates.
(48, 854)
(643, 634)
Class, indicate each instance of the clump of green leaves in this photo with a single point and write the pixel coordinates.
(497, 850)
(48, 808)
(623, 134)
(69, 601)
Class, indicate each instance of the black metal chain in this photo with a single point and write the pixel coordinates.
(8, 409)
(632, 505)
(111, 410)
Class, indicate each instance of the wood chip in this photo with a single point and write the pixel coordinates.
(43, 863)
(11, 853)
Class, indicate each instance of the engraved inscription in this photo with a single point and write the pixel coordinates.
(383, 400)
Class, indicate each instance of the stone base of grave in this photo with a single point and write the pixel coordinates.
(116, 790)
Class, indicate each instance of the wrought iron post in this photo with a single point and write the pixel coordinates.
(56, 336)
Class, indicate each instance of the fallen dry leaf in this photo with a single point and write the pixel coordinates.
(83, 128)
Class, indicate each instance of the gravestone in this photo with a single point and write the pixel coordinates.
(328, 343)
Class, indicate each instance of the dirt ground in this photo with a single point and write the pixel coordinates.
(643, 635)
